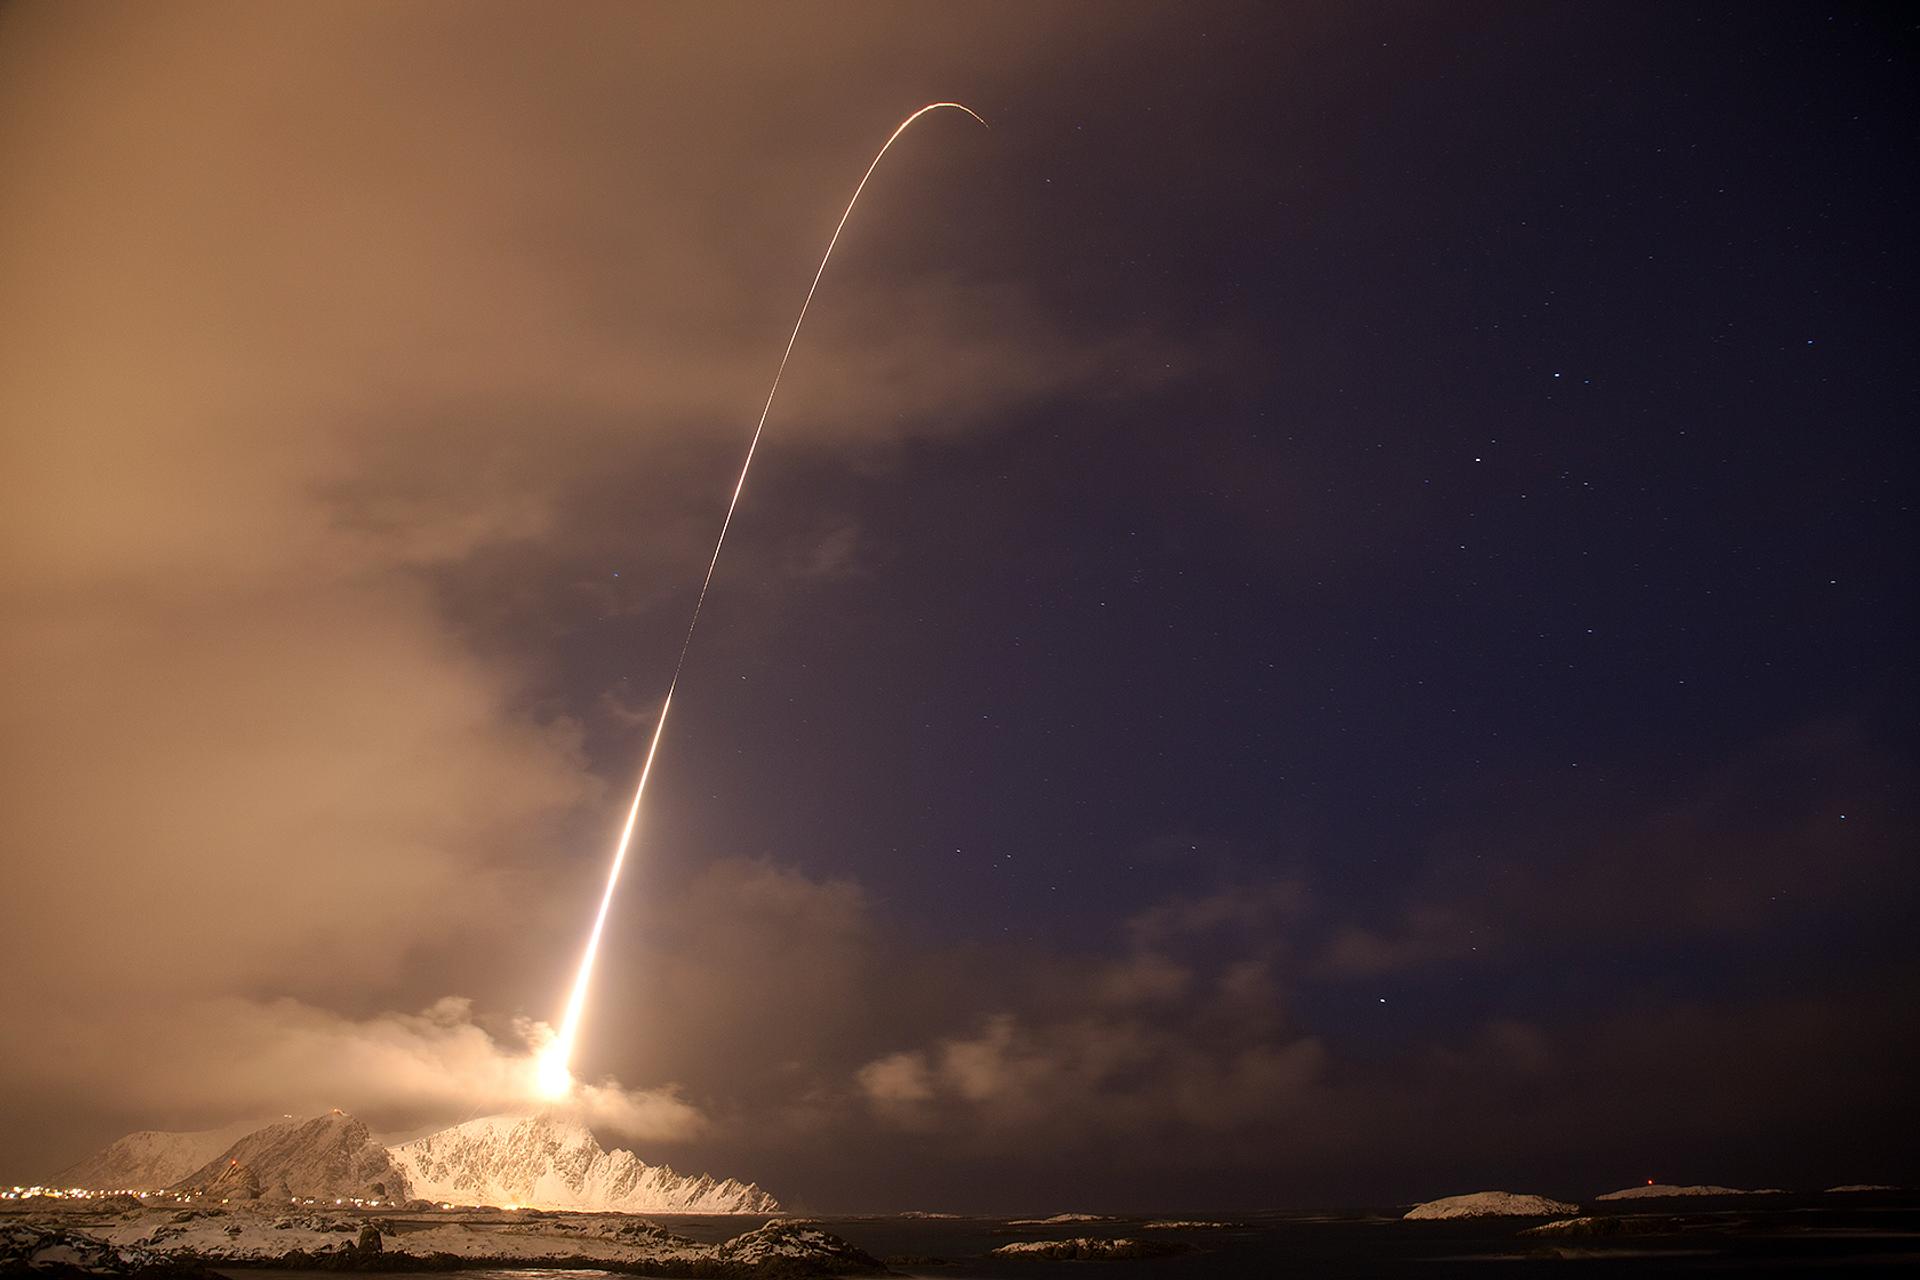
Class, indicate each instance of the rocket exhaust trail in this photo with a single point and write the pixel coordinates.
(554, 1075)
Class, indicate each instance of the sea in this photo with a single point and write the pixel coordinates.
(1774, 1235)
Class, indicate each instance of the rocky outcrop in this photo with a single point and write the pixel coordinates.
(235, 1182)
(1491, 1204)
(1086, 1249)
(789, 1244)
(57, 1253)
(1664, 1191)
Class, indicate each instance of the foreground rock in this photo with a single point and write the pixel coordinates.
(1492, 1204)
(1085, 1249)
(786, 1243)
(56, 1252)
(164, 1243)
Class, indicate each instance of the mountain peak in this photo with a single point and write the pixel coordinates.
(545, 1122)
(150, 1159)
(325, 1156)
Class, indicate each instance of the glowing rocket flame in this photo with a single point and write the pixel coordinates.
(553, 1075)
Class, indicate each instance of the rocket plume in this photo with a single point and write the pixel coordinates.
(553, 1067)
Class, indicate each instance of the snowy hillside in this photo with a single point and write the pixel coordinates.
(327, 1156)
(148, 1160)
(540, 1161)
(1492, 1204)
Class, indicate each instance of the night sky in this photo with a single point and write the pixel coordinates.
(1324, 615)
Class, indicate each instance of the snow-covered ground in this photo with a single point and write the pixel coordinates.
(1492, 1204)
(256, 1234)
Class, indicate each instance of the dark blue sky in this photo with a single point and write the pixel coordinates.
(1538, 441)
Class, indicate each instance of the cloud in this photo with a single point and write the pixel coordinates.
(1719, 851)
(1247, 909)
(1092, 1077)
(333, 345)
(898, 1083)
(1425, 934)
(231, 1057)
(1182, 1033)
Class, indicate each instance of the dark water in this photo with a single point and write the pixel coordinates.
(1785, 1236)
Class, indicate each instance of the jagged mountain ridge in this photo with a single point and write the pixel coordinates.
(539, 1161)
(542, 1161)
(325, 1157)
(149, 1160)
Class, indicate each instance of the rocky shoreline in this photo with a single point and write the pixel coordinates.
(170, 1243)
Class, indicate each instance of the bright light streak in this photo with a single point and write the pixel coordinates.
(553, 1074)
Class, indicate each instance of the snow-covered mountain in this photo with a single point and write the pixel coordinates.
(325, 1157)
(148, 1160)
(541, 1161)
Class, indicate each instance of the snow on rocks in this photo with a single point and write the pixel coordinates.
(788, 1242)
(543, 1161)
(1085, 1249)
(1057, 1219)
(168, 1242)
(1607, 1225)
(1662, 1191)
(1491, 1204)
(36, 1248)
(208, 1235)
